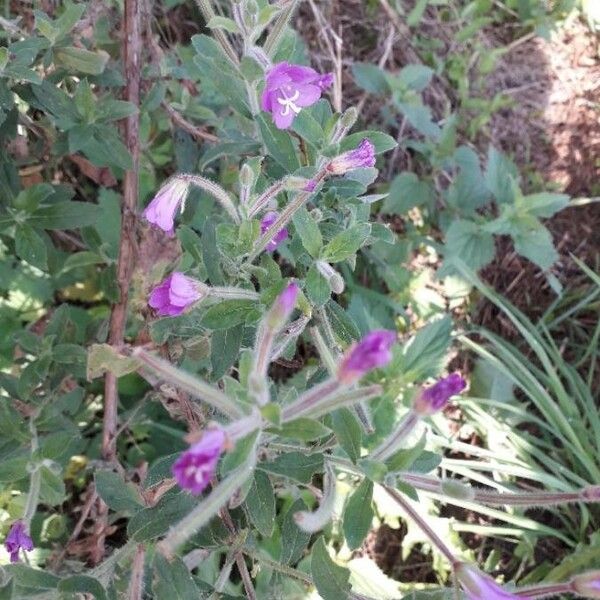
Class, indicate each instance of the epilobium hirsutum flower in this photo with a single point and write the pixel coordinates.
(163, 207)
(194, 469)
(373, 351)
(434, 398)
(266, 222)
(361, 157)
(587, 584)
(17, 540)
(479, 586)
(174, 295)
(289, 88)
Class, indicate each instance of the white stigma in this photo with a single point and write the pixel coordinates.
(289, 103)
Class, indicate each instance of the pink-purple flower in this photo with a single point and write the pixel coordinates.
(168, 200)
(194, 469)
(290, 88)
(17, 539)
(361, 157)
(587, 585)
(266, 223)
(283, 307)
(479, 586)
(174, 294)
(435, 397)
(373, 351)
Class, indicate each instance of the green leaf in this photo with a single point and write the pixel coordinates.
(172, 579)
(31, 247)
(331, 580)
(218, 22)
(224, 349)
(278, 143)
(470, 242)
(542, 205)
(65, 215)
(52, 489)
(406, 192)
(83, 585)
(13, 467)
(117, 494)
(317, 287)
(358, 514)
(260, 504)
(303, 429)
(151, 523)
(79, 59)
(103, 358)
(426, 353)
(381, 141)
(348, 432)
(293, 539)
(345, 244)
(415, 77)
(295, 465)
(537, 246)
(309, 232)
(227, 314)
(101, 144)
(342, 324)
(500, 175)
(420, 117)
(371, 78)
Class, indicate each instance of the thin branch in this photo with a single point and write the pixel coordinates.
(184, 124)
(136, 582)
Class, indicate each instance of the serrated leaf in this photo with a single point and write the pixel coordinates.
(542, 205)
(345, 244)
(331, 580)
(260, 504)
(500, 174)
(471, 243)
(358, 514)
(227, 314)
(537, 245)
(406, 192)
(415, 77)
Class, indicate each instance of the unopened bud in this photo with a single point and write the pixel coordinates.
(293, 183)
(335, 280)
(349, 117)
(435, 397)
(282, 307)
(457, 489)
(587, 584)
(363, 156)
(316, 215)
(478, 585)
(246, 176)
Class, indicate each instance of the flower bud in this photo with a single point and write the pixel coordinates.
(587, 584)
(176, 293)
(478, 585)
(283, 307)
(457, 489)
(373, 351)
(435, 397)
(362, 156)
(246, 176)
(335, 280)
(349, 117)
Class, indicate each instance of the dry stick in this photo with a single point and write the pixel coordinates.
(132, 48)
(136, 583)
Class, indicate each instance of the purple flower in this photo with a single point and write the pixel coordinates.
(194, 469)
(373, 351)
(479, 586)
(265, 225)
(587, 584)
(174, 295)
(310, 186)
(163, 207)
(289, 88)
(16, 540)
(361, 157)
(434, 398)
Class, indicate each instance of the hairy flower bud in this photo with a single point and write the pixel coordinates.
(373, 351)
(435, 397)
(283, 307)
(176, 293)
(587, 584)
(478, 585)
(361, 157)
(335, 280)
